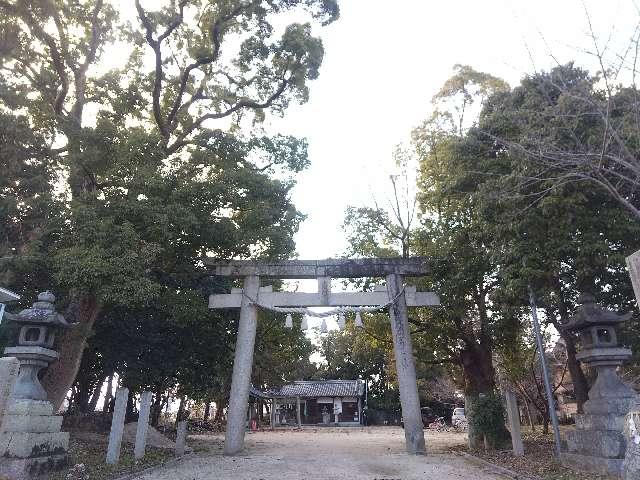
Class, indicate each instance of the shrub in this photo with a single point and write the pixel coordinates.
(488, 419)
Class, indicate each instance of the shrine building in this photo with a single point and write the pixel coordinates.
(315, 402)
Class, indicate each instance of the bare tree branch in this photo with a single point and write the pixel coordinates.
(181, 139)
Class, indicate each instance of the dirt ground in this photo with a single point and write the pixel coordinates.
(372, 453)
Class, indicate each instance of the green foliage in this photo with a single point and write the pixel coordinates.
(488, 418)
(118, 182)
(496, 232)
(386, 231)
(368, 354)
(457, 103)
(366, 234)
(27, 205)
(492, 223)
(281, 354)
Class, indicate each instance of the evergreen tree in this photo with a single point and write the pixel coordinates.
(142, 172)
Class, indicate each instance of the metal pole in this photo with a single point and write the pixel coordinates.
(545, 371)
(1, 311)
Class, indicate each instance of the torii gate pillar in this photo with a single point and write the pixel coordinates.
(406, 368)
(242, 365)
(392, 268)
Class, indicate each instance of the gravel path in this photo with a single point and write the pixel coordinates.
(374, 453)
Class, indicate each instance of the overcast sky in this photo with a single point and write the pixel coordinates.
(385, 60)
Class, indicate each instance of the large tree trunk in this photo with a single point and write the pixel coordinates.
(475, 437)
(108, 395)
(479, 378)
(95, 396)
(159, 401)
(220, 404)
(86, 390)
(545, 422)
(80, 400)
(59, 377)
(580, 384)
(71, 397)
(131, 413)
(180, 414)
(479, 374)
(529, 416)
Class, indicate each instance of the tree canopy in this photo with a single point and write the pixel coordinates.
(493, 220)
(125, 169)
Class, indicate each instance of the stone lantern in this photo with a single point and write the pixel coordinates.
(598, 442)
(35, 341)
(31, 442)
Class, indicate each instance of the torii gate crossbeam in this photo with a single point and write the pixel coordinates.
(393, 269)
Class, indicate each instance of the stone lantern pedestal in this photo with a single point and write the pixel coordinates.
(598, 442)
(31, 443)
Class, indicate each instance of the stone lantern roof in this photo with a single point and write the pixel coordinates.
(590, 314)
(41, 313)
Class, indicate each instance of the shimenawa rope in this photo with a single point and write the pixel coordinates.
(329, 313)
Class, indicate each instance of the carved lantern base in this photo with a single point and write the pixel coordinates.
(31, 442)
(598, 443)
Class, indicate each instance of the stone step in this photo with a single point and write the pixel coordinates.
(600, 422)
(586, 463)
(28, 468)
(603, 443)
(29, 444)
(30, 407)
(35, 424)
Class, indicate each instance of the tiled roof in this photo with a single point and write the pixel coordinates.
(254, 392)
(314, 389)
(323, 388)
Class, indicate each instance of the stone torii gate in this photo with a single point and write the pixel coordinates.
(252, 296)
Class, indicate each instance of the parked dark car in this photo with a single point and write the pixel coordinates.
(427, 416)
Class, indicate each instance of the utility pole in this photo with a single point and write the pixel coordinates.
(545, 371)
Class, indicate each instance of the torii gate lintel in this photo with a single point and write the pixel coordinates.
(332, 267)
(252, 295)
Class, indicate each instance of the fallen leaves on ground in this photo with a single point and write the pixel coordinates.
(539, 460)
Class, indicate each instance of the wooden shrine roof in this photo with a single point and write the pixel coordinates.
(314, 389)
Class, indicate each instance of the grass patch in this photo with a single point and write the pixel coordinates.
(91, 449)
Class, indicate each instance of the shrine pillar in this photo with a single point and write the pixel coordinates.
(242, 365)
(406, 368)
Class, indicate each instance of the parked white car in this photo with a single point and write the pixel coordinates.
(458, 419)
